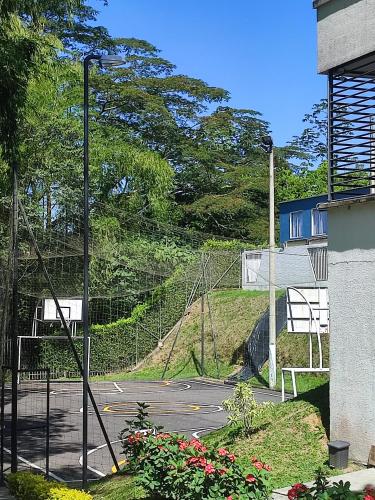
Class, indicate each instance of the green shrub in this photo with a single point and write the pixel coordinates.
(243, 407)
(175, 468)
(30, 486)
(67, 494)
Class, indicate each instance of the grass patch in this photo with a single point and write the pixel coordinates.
(305, 381)
(293, 350)
(291, 437)
(117, 487)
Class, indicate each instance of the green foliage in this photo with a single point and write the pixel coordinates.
(175, 468)
(322, 490)
(30, 486)
(140, 423)
(227, 245)
(242, 407)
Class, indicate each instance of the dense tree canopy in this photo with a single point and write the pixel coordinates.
(163, 145)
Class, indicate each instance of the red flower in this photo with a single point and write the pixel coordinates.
(231, 457)
(250, 478)
(295, 490)
(192, 460)
(209, 469)
(222, 452)
(197, 445)
(222, 471)
(258, 465)
(370, 493)
(183, 445)
(197, 461)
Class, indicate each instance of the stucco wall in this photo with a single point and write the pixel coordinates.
(293, 268)
(346, 31)
(351, 281)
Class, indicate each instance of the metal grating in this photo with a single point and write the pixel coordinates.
(351, 140)
(319, 262)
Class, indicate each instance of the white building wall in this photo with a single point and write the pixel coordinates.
(351, 281)
(293, 268)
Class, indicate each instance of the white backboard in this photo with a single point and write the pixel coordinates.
(71, 309)
(301, 317)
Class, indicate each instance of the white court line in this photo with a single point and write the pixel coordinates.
(34, 466)
(117, 387)
(196, 434)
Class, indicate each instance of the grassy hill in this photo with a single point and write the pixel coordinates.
(234, 314)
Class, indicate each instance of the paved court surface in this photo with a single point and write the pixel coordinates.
(192, 407)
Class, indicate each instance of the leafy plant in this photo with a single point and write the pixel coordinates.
(243, 407)
(322, 490)
(176, 468)
(30, 486)
(131, 435)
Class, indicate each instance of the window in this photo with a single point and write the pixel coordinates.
(319, 222)
(252, 266)
(295, 230)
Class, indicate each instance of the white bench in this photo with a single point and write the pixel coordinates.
(293, 372)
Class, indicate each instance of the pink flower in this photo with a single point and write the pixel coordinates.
(231, 457)
(230, 497)
(209, 469)
(183, 445)
(222, 452)
(267, 467)
(250, 478)
(258, 465)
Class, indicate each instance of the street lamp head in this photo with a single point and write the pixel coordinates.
(108, 60)
(267, 143)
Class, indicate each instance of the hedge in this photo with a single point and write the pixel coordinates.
(30, 486)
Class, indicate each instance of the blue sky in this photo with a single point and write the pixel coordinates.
(262, 51)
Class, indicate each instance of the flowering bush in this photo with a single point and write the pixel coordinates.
(176, 468)
(322, 490)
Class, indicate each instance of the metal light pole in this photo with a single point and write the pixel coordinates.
(105, 61)
(267, 145)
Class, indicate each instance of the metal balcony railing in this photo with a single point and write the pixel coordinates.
(351, 134)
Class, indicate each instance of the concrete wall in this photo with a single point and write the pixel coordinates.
(293, 268)
(346, 31)
(351, 271)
